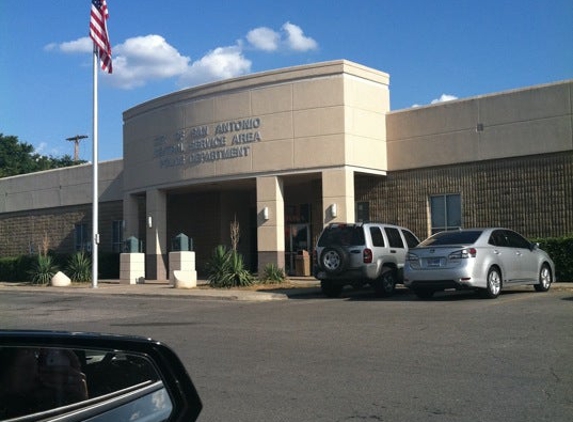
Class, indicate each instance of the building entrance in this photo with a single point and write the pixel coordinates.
(297, 243)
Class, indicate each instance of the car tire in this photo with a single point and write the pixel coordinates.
(331, 289)
(545, 279)
(334, 260)
(494, 284)
(424, 293)
(385, 285)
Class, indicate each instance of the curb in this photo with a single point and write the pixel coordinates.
(163, 290)
(307, 288)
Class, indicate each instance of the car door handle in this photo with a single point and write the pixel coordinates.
(495, 251)
(392, 251)
(355, 251)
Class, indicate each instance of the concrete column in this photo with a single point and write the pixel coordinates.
(156, 236)
(338, 196)
(131, 217)
(270, 222)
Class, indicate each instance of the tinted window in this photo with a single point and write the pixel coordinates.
(517, 241)
(411, 240)
(453, 238)
(394, 237)
(498, 238)
(342, 235)
(377, 238)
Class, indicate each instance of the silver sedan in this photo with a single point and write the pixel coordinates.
(482, 259)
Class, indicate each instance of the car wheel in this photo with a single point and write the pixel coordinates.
(331, 289)
(545, 279)
(493, 283)
(334, 260)
(386, 284)
(424, 293)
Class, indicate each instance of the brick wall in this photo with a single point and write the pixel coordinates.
(23, 232)
(532, 195)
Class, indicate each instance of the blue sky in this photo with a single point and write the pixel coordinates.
(432, 50)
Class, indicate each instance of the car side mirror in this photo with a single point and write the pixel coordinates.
(47, 375)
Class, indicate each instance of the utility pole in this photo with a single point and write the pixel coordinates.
(76, 140)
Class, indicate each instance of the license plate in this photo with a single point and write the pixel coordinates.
(433, 262)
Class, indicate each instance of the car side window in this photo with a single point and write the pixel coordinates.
(498, 238)
(377, 238)
(517, 241)
(411, 240)
(394, 237)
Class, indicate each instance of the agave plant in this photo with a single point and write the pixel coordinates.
(238, 274)
(226, 269)
(80, 267)
(273, 274)
(43, 270)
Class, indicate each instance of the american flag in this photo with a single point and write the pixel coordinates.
(98, 33)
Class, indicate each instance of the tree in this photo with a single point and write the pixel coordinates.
(19, 158)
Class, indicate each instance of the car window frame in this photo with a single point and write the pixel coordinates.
(516, 240)
(376, 234)
(409, 236)
(393, 234)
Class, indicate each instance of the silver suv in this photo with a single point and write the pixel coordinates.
(362, 253)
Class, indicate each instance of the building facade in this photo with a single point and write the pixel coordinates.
(283, 153)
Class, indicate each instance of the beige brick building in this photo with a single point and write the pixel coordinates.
(285, 152)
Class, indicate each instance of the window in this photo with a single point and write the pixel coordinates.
(377, 238)
(345, 235)
(411, 240)
(516, 240)
(82, 238)
(394, 237)
(362, 211)
(117, 236)
(445, 212)
(468, 237)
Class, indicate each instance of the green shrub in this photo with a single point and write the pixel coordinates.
(560, 249)
(43, 270)
(8, 269)
(226, 269)
(16, 269)
(79, 267)
(273, 274)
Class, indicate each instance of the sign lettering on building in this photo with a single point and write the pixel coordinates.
(207, 143)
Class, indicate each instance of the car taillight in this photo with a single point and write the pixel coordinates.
(367, 256)
(463, 254)
(411, 257)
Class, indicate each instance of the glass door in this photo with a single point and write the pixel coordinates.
(297, 240)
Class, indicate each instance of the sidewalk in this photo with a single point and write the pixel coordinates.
(283, 291)
(293, 287)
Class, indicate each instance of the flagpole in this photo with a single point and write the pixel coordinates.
(95, 234)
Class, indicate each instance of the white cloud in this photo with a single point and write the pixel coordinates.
(291, 37)
(41, 148)
(81, 45)
(264, 39)
(296, 40)
(443, 98)
(221, 63)
(140, 60)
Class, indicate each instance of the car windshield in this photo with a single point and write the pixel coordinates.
(342, 235)
(453, 238)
